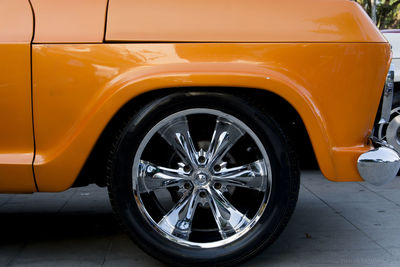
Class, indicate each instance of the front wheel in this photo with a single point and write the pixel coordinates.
(201, 178)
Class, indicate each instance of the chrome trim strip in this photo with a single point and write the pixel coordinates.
(387, 96)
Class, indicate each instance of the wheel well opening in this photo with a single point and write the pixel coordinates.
(94, 169)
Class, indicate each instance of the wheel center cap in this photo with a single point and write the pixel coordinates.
(201, 178)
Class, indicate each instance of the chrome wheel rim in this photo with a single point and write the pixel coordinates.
(196, 201)
(391, 132)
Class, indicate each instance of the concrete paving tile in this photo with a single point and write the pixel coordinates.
(391, 195)
(389, 191)
(92, 198)
(123, 250)
(392, 186)
(89, 250)
(369, 214)
(313, 215)
(395, 251)
(372, 264)
(304, 219)
(58, 263)
(37, 202)
(316, 179)
(301, 227)
(9, 252)
(323, 241)
(332, 192)
(386, 237)
(130, 263)
(268, 259)
(5, 198)
(351, 257)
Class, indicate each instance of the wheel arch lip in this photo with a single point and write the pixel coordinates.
(240, 75)
(66, 163)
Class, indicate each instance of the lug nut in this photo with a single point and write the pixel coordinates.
(217, 186)
(202, 194)
(186, 168)
(202, 159)
(217, 168)
(186, 185)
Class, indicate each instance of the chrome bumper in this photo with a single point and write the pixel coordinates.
(381, 164)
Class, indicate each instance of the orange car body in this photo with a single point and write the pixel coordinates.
(68, 66)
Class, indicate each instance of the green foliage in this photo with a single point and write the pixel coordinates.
(387, 12)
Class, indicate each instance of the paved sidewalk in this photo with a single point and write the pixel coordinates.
(347, 224)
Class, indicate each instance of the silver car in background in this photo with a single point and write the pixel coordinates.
(393, 36)
(391, 131)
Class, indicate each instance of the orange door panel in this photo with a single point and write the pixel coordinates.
(16, 134)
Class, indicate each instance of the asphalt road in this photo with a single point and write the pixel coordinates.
(347, 224)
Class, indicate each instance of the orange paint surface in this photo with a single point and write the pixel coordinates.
(16, 21)
(16, 136)
(335, 88)
(69, 21)
(239, 21)
(326, 58)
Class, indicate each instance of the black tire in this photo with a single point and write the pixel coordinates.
(283, 193)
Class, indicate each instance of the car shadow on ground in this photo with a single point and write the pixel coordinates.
(49, 226)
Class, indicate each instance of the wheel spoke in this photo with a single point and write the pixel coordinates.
(177, 135)
(178, 221)
(153, 177)
(252, 176)
(229, 220)
(203, 176)
(224, 137)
